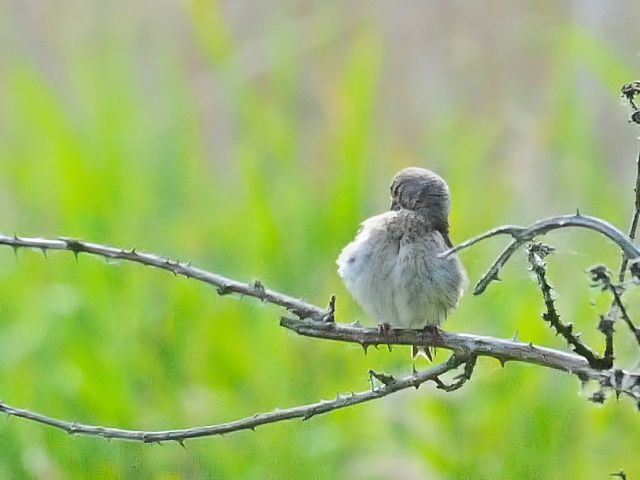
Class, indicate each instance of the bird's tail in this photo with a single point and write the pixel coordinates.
(421, 350)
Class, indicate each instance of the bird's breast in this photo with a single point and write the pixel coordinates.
(393, 271)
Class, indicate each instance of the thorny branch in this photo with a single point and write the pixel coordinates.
(314, 321)
(601, 277)
(224, 285)
(461, 379)
(250, 423)
(522, 235)
(629, 91)
(317, 322)
(464, 344)
(537, 253)
(472, 346)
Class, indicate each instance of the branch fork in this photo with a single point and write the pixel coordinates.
(314, 321)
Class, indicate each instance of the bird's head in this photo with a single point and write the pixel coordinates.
(422, 191)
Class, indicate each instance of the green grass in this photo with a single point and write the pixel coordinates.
(124, 145)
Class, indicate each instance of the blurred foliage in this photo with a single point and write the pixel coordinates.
(157, 125)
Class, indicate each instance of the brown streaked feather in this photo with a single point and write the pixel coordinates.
(443, 228)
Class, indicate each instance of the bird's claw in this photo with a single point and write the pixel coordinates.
(384, 328)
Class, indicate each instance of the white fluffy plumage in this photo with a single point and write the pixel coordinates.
(392, 267)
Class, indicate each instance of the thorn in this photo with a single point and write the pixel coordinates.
(598, 397)
(383, 378)
(502, 361)
(224, 290)
(258, 287)
(515, 337)
(72, 244)
(72, 428)
(578, 214)
(618, 376)
(620, 474)
(331, 309)
(181, 442)
(44, 252)
(365, 346)
(427, 352)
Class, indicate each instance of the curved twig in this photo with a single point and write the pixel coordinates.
(469, 346)
(634, 220)
(491, 275)
(537, 253)
(463, 343)
(250, 423)
(317, 322)
(522, 235)
(601, 277)
(225, 285)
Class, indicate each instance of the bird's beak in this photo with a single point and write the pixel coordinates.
(395, 205)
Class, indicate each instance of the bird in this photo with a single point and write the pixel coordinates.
(393, 269)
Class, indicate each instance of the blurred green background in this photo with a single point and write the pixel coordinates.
(251, 138)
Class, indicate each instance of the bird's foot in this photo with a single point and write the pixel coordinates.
(432, 330)
(384, 328)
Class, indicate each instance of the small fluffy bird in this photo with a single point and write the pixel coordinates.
(392, 267)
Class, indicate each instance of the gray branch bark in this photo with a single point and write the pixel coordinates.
(225, 285)
(315, 321)
(305, 412)
(463, 344)
(522, 235)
